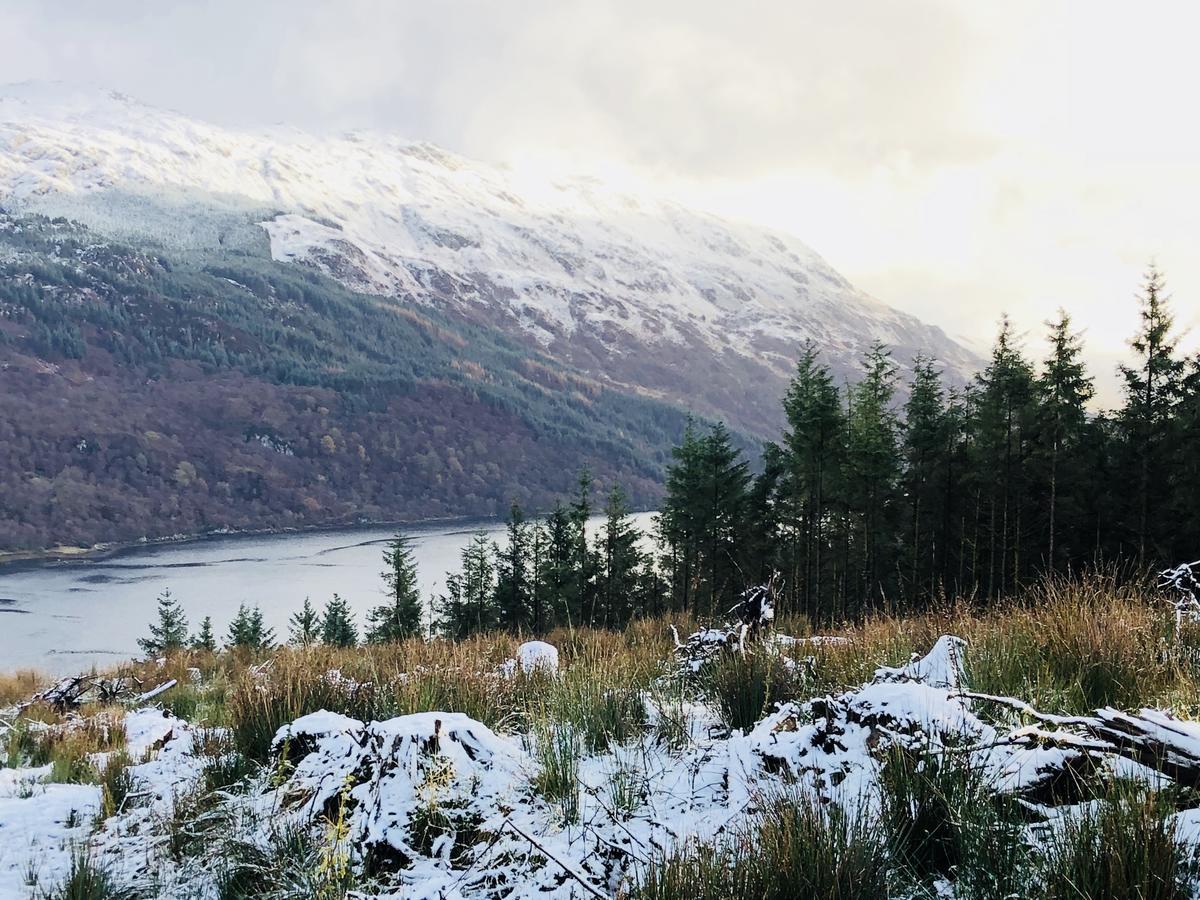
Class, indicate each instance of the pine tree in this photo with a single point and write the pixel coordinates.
(924, 450)
(1151, 391)
(514, 601)
(1185, 465)
(872, 461)
(170, 633)
(726, 477)
(468, 606)
(400, 617)
(1003, 419)
(581, 599)
(814, 445)
(1064, 390)
(304, 627)
(337, 624)
(622, 560)
(557, 574)
(205, 640)
(679, 518)
(247, 632)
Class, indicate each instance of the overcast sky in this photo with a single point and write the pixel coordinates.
(956, 159)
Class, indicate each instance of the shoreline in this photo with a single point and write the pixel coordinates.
(65, 554)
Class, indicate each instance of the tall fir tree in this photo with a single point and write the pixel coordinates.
(514, 600)
(679, 519)
(247, 631)
(556, 574)
(621, 562)
(873, 465)
(170, 633)
(814, 444)
(924, 451)
(1152, 389)
(1064, 391)
(204, 640)
(304, 627)
(469, 603)
(337, 624)
(1003, 431)
(400, 616)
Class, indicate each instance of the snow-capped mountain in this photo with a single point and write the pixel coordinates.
(640, 292)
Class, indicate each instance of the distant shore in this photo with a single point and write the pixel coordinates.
(66, 553)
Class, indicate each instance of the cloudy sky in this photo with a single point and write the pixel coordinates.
(957, 159)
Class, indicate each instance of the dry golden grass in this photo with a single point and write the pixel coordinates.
(18, 686)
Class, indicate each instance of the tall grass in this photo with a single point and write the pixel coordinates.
(796, 847)
(943, 819)
(1123, 847)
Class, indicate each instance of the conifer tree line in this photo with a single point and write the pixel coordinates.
(874, 498)
(871, 502)
(882, 498)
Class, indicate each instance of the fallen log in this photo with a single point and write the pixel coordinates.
(1151, 737)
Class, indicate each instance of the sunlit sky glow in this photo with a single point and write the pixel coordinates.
(956, 159)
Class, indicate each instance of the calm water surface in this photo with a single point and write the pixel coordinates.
(63, 617)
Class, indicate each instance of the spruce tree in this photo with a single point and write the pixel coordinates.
(170, 632)
(205, 640)
(1151, 390)
(514, 600)
(247, 631)
(679, 518)
(873, 465)
(1003, 431)
(400, 616)
(337, 624)
(557, 575)
(469, 604)
(1064, 390)
(622, 561)
(581, 599)
(725, 479)
(304, 627)
(814, 445)
(924, 451)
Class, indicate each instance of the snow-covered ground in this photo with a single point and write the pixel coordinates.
(451, 808)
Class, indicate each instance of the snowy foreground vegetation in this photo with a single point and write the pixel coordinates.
(1044, 748)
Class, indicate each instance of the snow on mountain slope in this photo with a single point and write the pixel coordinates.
(640, 292)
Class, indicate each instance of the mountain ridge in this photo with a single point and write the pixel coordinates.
(638, 292)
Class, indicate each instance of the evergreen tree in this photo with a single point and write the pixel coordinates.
(581, 599)
(1185, 466)
(1064, 390)
(205, 640)
(722, 500)
(514, 600)
(622, 560)
(170, 633)
(679, 518)
(400, 617)
(468, 606)
(873, 464)
(1151, 391)
(556, 573)
(247, 631)
(924, 451)
(304, 627)
(814, 445)
(337, 624)
(1003, 419)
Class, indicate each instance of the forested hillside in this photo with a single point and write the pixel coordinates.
(140, 396)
